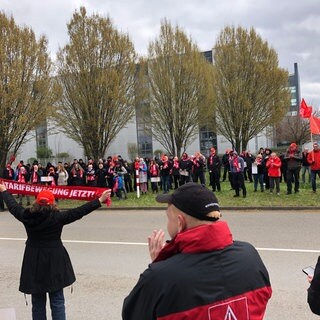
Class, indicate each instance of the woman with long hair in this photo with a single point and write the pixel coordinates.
(63, 175)
(46, 267)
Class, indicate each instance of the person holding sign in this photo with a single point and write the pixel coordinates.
(46, 267)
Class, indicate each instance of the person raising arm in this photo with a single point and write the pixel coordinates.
(46, 266)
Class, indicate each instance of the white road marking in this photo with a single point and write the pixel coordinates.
(87, 242)
(145, 244)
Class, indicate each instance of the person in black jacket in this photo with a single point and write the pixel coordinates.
(214, 165)
(226, 165)
(293, 158)
(305, 166)
(314, 290)
(185, 166)
(46, 266)
(201, 273)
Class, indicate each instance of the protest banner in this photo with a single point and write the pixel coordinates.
(60, 192)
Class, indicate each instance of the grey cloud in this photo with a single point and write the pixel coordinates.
(290, 27)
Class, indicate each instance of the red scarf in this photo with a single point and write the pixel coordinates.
(91, 175)
(77, 172)
(176, 164)
(153, 170)
(53, 182)
(235, 164)
(34, 177)
(21, 178)
(204, 238)
(10, 172)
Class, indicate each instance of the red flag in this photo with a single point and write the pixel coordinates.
(305, 111)
(314, 125)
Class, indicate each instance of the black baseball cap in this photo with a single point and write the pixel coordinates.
(193, 199)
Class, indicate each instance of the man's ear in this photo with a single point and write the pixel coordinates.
(182, 223)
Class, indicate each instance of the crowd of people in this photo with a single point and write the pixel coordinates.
(265, 170)
(222, 277)
(268, 169)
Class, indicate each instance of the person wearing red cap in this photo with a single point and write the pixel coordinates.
(201, 273)
(46, 266)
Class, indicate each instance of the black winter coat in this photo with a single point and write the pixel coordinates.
(314, 290)
(46, 265)
(201, 274)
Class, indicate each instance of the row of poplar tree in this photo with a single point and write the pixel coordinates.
(97, 80)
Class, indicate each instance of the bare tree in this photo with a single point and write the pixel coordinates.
(251, 89)
(96, 71)
(25, 87)
(293, 129)
(180, 88)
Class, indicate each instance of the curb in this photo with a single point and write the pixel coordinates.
(239, 208)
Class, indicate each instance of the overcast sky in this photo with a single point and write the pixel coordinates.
(291, 27)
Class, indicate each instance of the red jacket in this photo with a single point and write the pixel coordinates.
(314, 159)
(274, 165)
(201, 274)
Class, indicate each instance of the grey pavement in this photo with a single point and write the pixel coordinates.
(108, 251)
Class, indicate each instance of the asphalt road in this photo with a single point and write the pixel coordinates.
(108, 250)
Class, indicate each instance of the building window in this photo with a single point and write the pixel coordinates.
(293, 102)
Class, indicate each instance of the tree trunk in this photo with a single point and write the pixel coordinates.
(238, 145)
(244, 143)
(3, 159)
